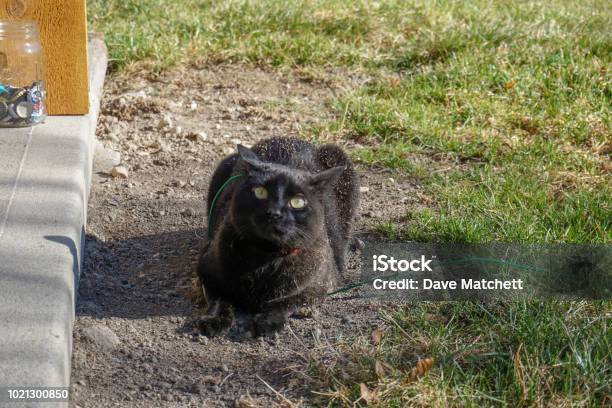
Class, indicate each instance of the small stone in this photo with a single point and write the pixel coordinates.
(82, 383)
(188, 212)
(165, 122)
(105, 159)
(228, 150)
(200, 137)
(179, 183)
(162, 213)
(347, 320)
(364, 189)
(193, 106)
(177, 131)
(359, 244)
(102, 336)
(224, 368)
(164, 147)
(119, 172)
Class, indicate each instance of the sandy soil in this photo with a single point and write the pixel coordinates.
(133, 340)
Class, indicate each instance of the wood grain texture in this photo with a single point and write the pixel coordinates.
(63, 26)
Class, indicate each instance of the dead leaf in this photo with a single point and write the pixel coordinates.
(379, 368)
(519, 372)
(196, 293)
(369, 397)
(431, 317)
(377, 336)
(510, 84)
(245, 402)
(420, 369)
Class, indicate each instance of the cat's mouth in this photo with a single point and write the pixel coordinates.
(278, 234)
(280, 247)
(281, 236)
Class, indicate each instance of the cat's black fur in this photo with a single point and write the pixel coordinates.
(265, 257)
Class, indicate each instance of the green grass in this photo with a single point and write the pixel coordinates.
(501, 109)
(516, 92)
(514, 354)
(164, 32)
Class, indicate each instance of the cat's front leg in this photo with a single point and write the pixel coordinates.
(269, 322)
(219, 318)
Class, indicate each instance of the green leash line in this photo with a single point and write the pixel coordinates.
(214, 201)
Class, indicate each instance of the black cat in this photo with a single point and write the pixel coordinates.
(279, 229)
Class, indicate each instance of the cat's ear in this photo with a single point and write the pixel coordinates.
(326, 177)
(249, 156)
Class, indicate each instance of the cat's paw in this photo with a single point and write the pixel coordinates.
(267, 324)
(211, 326)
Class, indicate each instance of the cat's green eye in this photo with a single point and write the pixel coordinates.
(260, 192)
(297, 202)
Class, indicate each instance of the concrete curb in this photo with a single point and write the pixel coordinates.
(45, 176)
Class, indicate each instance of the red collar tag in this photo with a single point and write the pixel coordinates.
(293, 251)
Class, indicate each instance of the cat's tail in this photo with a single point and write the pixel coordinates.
(346, 192)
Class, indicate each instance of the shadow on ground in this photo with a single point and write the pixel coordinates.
(140, 277)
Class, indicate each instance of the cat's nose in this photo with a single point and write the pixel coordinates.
(274, 213)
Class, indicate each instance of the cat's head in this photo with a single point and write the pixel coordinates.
(278, 204)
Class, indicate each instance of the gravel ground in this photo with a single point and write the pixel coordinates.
(133, 340)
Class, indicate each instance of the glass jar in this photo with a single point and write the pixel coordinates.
(22, 94)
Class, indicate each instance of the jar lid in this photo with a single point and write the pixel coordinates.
(18, 28)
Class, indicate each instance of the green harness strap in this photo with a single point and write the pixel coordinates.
(214, 201)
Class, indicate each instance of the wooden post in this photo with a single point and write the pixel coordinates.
(63, 30)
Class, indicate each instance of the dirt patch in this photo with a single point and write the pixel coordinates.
(133, 345)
